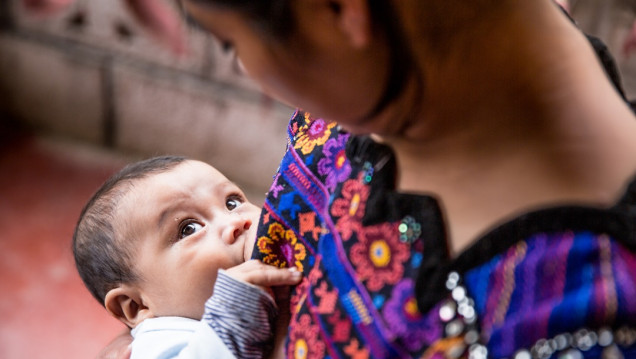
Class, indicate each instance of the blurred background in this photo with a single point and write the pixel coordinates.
(85, 91)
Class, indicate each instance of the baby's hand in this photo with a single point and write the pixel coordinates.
(263, 275)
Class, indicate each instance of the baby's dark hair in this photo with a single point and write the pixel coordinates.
(103, 262)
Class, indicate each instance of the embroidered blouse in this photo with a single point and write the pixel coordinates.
(378, 280)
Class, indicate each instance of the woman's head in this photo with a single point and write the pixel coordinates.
(342, 60)
(373, 66)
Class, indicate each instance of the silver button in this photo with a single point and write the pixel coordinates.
(447, 311)
(522, 354)
(571, 354)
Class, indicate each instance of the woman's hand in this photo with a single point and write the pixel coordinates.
(118, 348)
(257, 273)
(162, 21)
(46, 7)
(156, 16)
(629, 44)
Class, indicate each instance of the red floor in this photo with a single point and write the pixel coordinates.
(45, 311)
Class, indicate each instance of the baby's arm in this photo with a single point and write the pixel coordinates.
(241, 312)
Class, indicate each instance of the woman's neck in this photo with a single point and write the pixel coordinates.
(529, 119)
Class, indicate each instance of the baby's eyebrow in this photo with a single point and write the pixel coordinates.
(225, 185)
(166, 214)
(163, 215)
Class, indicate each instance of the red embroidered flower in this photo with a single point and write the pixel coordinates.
(379, 256)
(350, 208)
(281, 247)
(316, 135)
(406, 322)
(304, 340)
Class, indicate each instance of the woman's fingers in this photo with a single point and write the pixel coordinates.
(629, 44)
(258, 273)
(161, 21)
(156, 16)
(118, 348)
(46, 7)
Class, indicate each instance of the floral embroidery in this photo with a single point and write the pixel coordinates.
(320, 189)
(304, 341)
(305, 122)
(281, 247)
(316, 135)
(355, 351)
(350, 208)
(379, 256)
(301, 351)
(341, 325)
(275, 188)
(404, 319)
(335, 163)
(307, 223)
(299, 294)
(326, 299)
(287, 203)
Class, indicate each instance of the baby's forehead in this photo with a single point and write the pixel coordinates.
(191, 171)
(185, 182)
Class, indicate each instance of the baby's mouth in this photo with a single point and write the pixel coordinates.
(248, 244)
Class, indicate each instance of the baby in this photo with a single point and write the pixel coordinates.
(157, 240)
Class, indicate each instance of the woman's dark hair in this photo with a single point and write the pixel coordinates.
(274, 19)
(102, 258)
(271, 17)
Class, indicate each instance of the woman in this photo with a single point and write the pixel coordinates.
(494, 190)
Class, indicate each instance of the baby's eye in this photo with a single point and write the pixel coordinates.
(189, 229)
(233, 202)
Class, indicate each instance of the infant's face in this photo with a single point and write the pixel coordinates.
(187, 224)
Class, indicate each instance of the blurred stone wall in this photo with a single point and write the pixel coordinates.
(91, 74)
(612, 21)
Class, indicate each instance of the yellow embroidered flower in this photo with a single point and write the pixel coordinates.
(316, 135)
(281, 247)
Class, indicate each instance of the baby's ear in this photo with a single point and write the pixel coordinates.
(126, 304)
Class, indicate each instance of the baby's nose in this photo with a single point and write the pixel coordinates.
(237, 227)
(242, 226)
